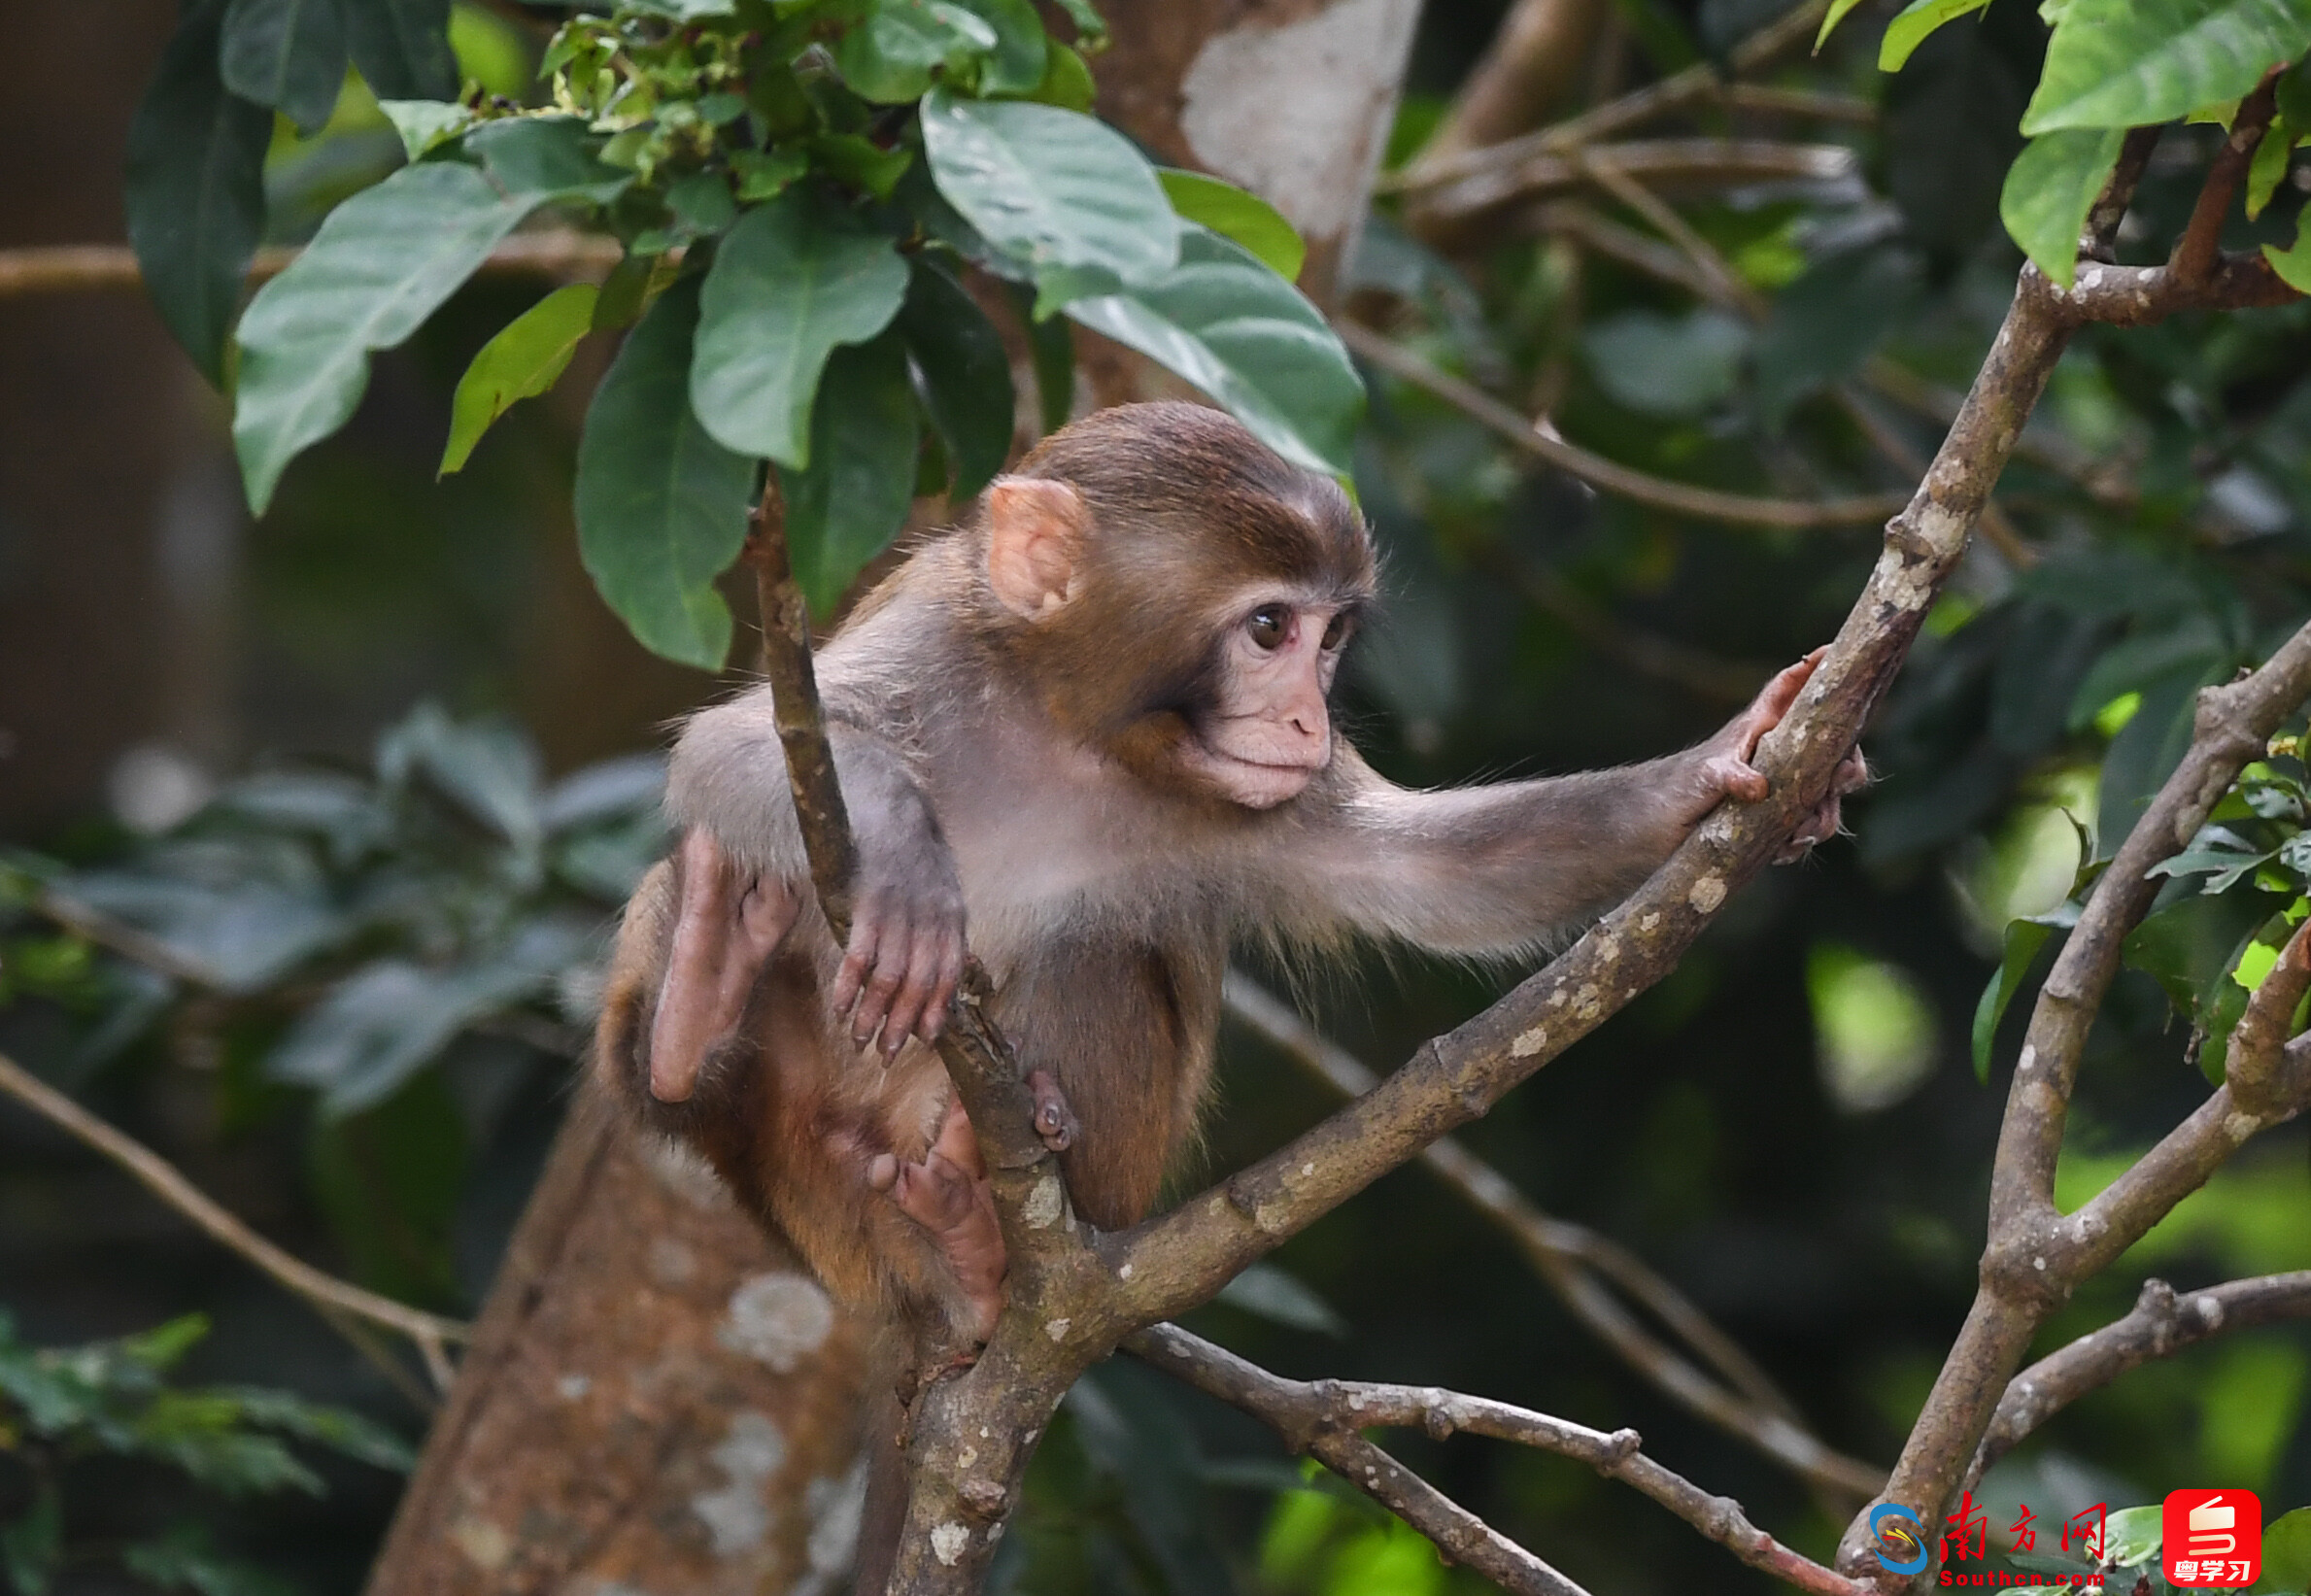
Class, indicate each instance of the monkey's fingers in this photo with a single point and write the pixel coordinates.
(1734, 777)
(1055, 1121)
(857, 961)
(718, 950)
(919, 1001)
(1773, 702)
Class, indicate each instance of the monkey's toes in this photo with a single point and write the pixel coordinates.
(1055, 1121)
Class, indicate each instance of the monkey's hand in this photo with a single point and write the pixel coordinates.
(947, 1195)
(1721, 765)
(906, 954)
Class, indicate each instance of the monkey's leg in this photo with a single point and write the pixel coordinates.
(947, 1195)
(725, 930)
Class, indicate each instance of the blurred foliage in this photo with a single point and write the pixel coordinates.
(61, 1406)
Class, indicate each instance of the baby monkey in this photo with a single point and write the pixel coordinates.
(1093, 725)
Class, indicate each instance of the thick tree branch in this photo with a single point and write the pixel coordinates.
(2162, 1323)
(1575, 1261)
(1682, 498)
(1313, 1416)
(327, 1293)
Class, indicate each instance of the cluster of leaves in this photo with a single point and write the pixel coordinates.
(800, 188)
(2112, 66)
(448, 887)
(61, 1406)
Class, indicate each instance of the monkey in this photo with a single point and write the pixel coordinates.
(1091, 727)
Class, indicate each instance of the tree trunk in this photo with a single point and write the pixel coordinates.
(657, 1399)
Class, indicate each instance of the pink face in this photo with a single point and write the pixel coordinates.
(1272, 733)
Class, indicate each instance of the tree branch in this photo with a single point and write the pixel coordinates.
(1314, 1416)
(2162, 1323)
(1692, 85)
(1681, 498)
(1742, 1400)
(326, 1293)
(2195, 250)
(81, 268)
(1701, 164)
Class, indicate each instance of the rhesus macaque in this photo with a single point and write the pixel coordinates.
(1092, 728)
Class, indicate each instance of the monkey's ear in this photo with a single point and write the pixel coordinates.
(1035, 535)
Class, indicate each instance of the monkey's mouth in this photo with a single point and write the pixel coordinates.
(1254, 783)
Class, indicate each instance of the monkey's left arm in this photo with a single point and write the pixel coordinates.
(1503, 868)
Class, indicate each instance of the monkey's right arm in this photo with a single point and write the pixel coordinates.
(742, 877)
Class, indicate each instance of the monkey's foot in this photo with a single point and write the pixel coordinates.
(947, 1195)
(1054, 1121)
(1827, 819)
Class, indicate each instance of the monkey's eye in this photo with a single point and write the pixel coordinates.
(1335, 631)
(1269, 624)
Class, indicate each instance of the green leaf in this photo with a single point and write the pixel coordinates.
(2127, 63)
(859, 161)
(546, 160)
(847, 505)
(1090, 27)
(382, 261)
(426, 125)
(339, 1428)
(1268, 1292)
(2131, 1536)
(195, 190)
(2287, 1555)
(1836, 13)
(793, 279)
(32, 1545)
(1067, 82)
(1233, 213)
(1022, 52)
(183, 1560)
(963, 374)
(2269, 167)
(2294, 263)
(285, 54)
(2023, 939)
(1051, 351)
(766, 175)
(660, 506)
(2048, 190)
(526, 358)
(893, 54)
(1061, 192)
(1916, 23)
(1247, 337)
(401, 48)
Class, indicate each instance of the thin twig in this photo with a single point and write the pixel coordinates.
(2202, 239)
(2162, 1323)
(1311, 1415)
(1704, 674)
(326, 1292)
(1682, 498)
(81, 268)
(1673, 163)
(1672, 93)
(1742, 1401)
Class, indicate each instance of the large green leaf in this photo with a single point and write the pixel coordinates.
(401, 48)
(1915, 24)
(794, 279)
(547, 160)
(526, 358)
(382, 263)
(285, 54)
(2048, 190)
(2127, 63)
(2023, 939)
(1061, 192)
(965, 374)
(1234, 213)
(662, 507)
(850, 502)
(1022, 53)
(195, 190)
(2294, 263)
(892, 54)
(1247, 337)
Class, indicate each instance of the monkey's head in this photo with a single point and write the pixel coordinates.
(1180, 596)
